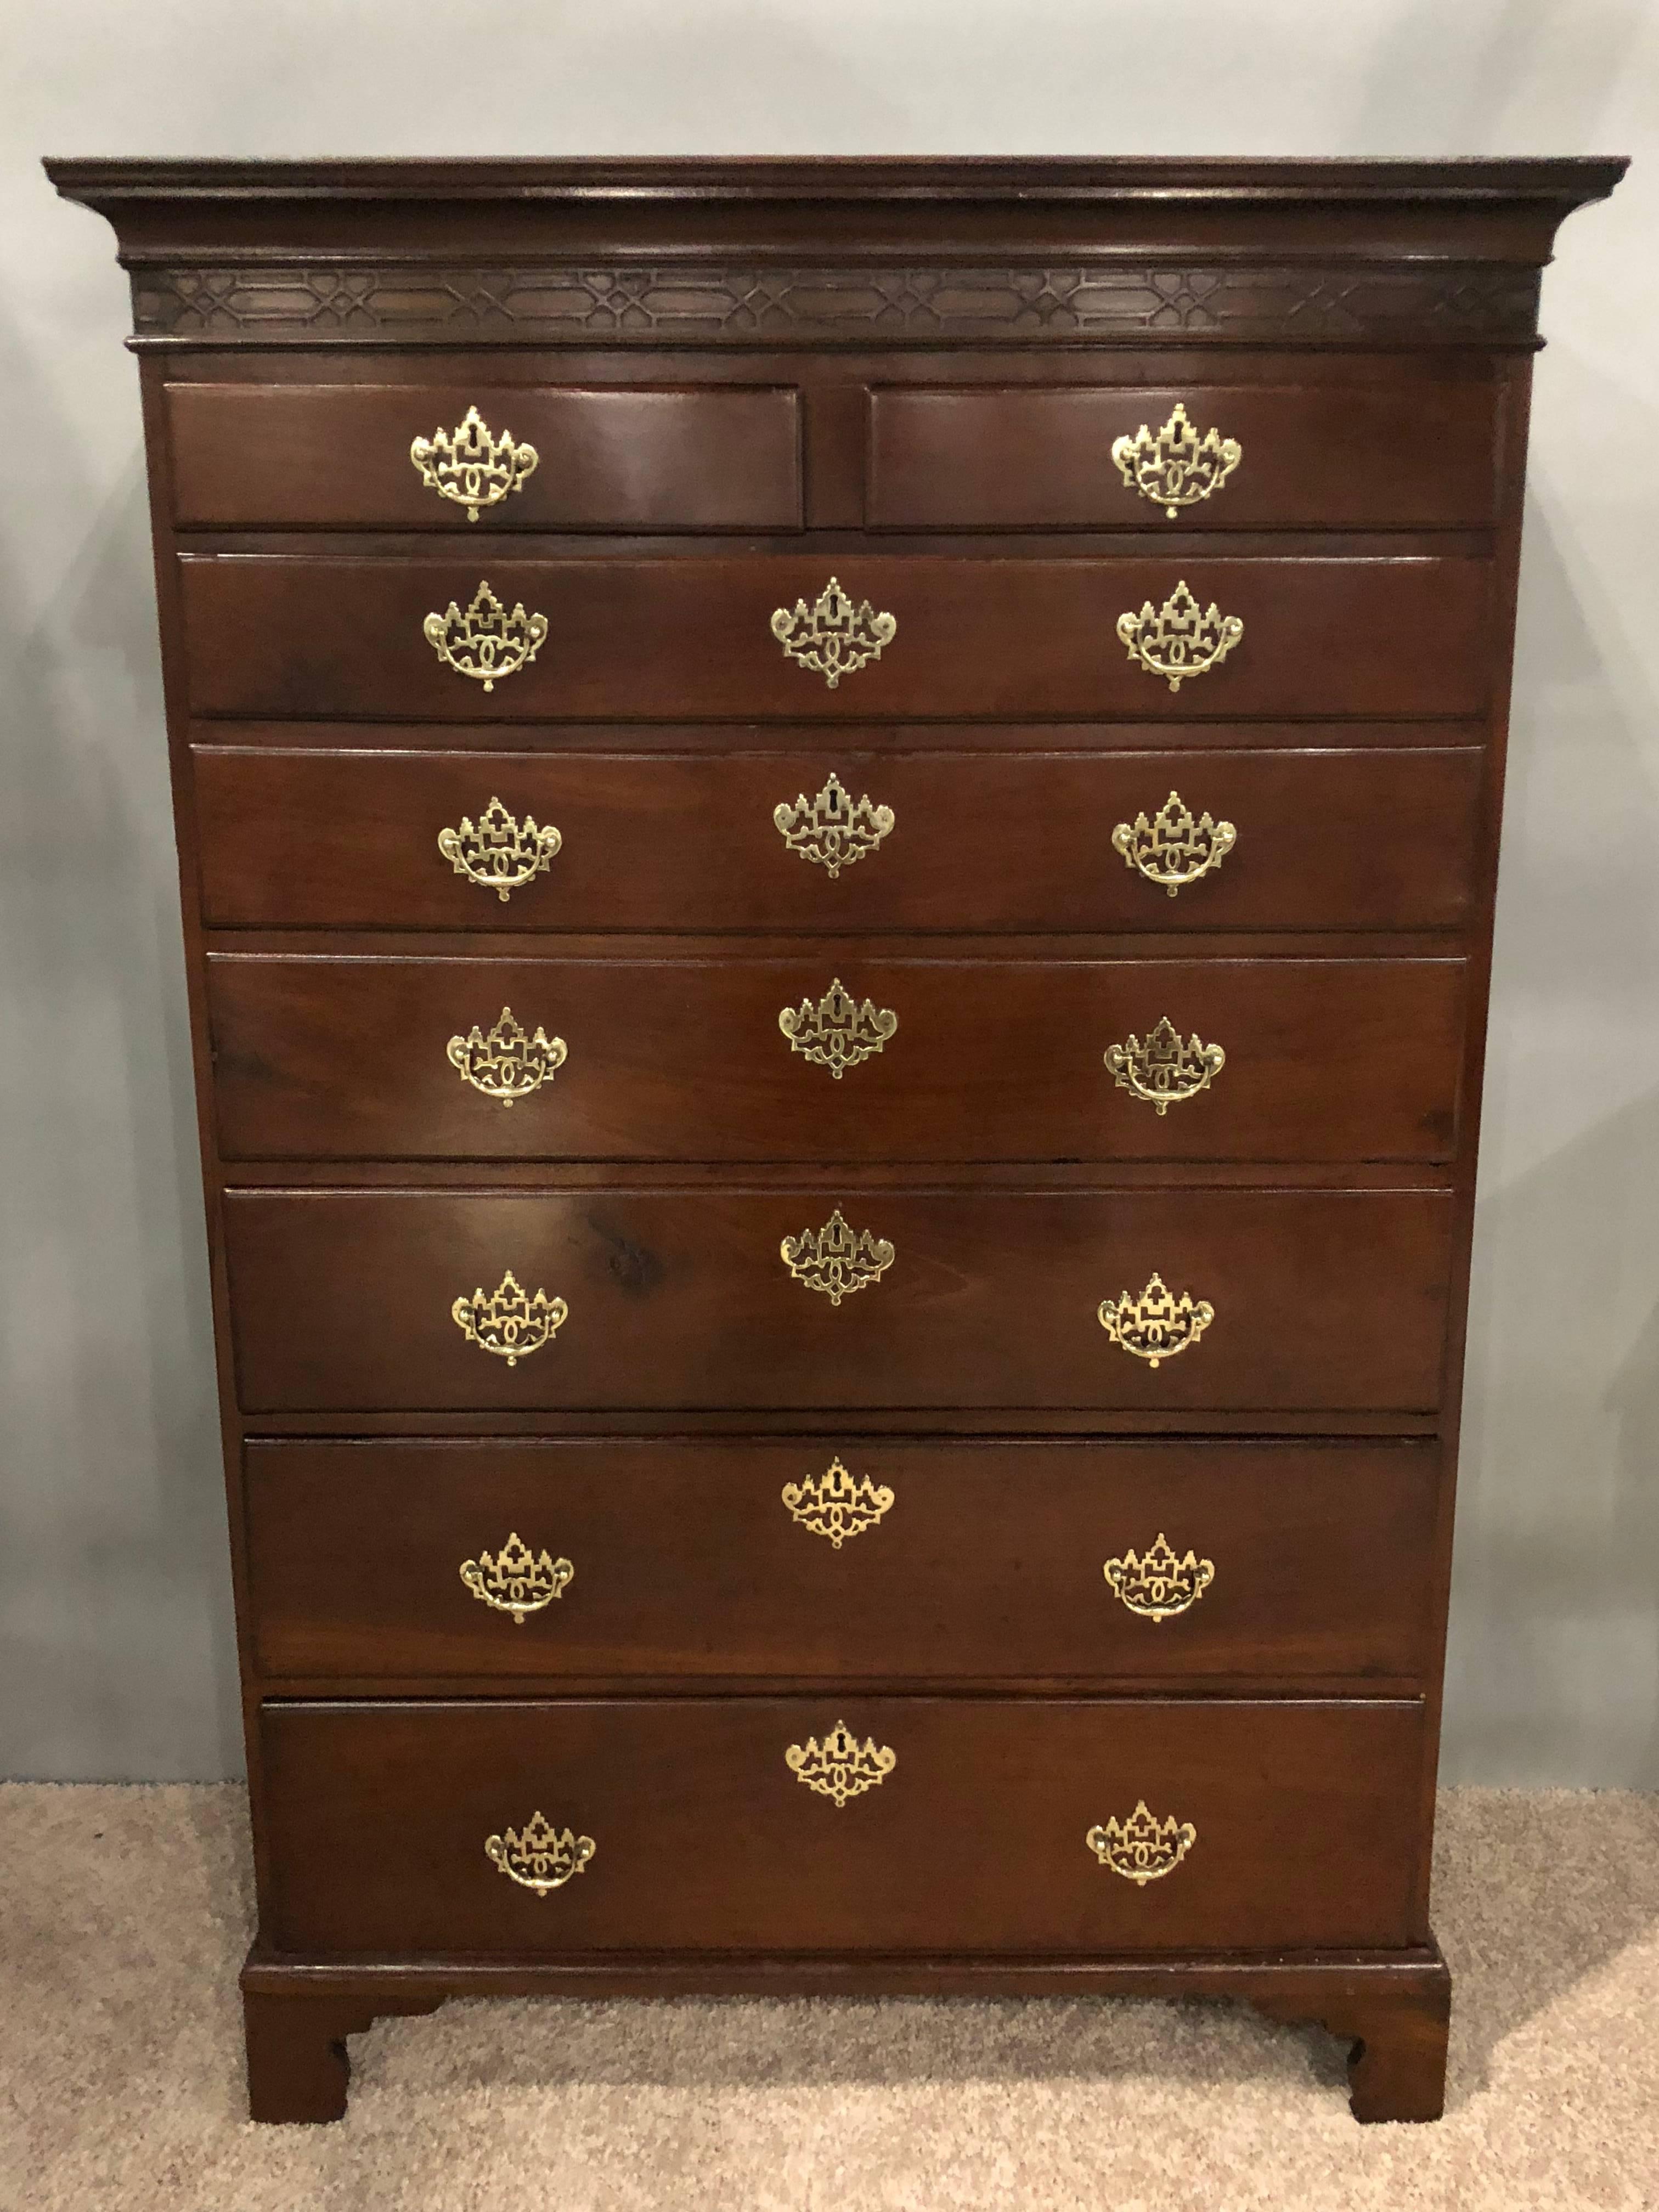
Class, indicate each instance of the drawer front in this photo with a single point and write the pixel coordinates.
(885, 1059)
(945, 841)
(689, 638)
(345, 1300)
(306, 455)
(1298, 1822)
(1346, 457)
(842, 1558)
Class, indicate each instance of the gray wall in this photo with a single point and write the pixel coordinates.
(115, 1650)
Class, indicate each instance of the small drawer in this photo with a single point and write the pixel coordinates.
(839, 840)
(935, 1825)
(694, 639)
(1410, 453)
(801, 1298)
(339, 456)
(845, 1558)
(835, 1053)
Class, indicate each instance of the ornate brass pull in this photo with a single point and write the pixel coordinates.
(840, 1767)
(834, 829)
(470, 467)
(507, 1064)
(1163, 1070)
(486, 642)
(500, 854)
(1177, 641)
(515, 1580)
(836, 1030)
(1172, 849)
(538, 1855)
(508, 1324)
(832, 637)
(832, 1504)
(834, 1261)
(1157, 1325)
(1160, 1585)
(1177, 468)
(1142, 1849)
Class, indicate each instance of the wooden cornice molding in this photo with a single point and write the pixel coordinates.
(827, 251)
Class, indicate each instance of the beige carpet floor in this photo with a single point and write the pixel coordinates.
(124, 1913)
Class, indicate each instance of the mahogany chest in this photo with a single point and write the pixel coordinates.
(837, 824)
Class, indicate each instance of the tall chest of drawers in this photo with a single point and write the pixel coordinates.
(837, 830)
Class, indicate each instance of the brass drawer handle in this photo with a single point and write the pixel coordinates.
(834, 1261)
(832, 1504)
(1142, 1849)
(833, 637)
(1164, 1071)
(836, 1031)
(1179, 641)
(499, 854)
(1159, 1586)
(834, 830)
(538, 1855)
(515, 1580)
(507, 1063)
(1177, 468)
(1172, 849)
(471, 466)
(1157, 1325)
(840, 1767)
(507, 1323)
(486, 643)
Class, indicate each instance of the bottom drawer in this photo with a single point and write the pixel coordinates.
(927, 1825)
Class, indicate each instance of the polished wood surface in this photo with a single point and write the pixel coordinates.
(705, 1838)
(1327, 839)
(743, 378)
(673, 639)
(284, 455)
(1399, 451)
(988, 1563)
(1323, 1299)
(684, 1059)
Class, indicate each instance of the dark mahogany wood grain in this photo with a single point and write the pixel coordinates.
(1323, 1299)
(691, 637)
(683, 1059)
(855, 349)
(1389, 454)
(339, 456)
(989, 1561)
(705, 1838)
(1326, 840)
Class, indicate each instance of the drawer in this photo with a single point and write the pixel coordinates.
(1288, 1825)
(975, 841)
(889, 1058)
(691, 638)
(338, 455)
(845, 1557)
(345, 1300)
(1324, 457)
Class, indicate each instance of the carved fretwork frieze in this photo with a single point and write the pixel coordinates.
(1361, 303)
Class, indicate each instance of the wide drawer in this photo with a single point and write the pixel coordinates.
(401, 1829)
(296, 454)
(899, 842)
(1351, 456)
(845, 1558)
(692, 637)
(886, 1058)
(1321, 1299)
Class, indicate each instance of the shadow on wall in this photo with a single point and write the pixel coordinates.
(1553, 1672)
(115, 1638)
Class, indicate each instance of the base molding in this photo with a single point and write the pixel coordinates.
(1392, 2007)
